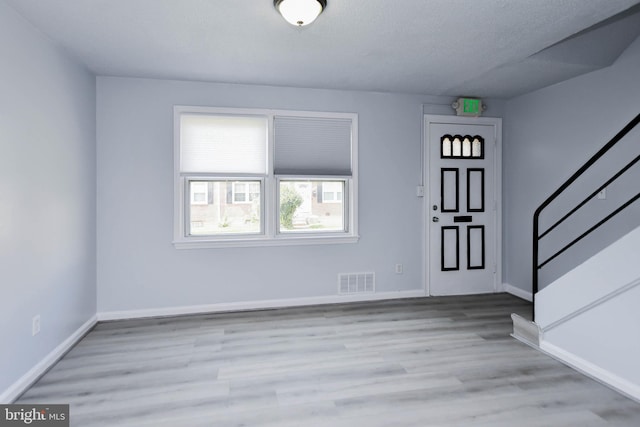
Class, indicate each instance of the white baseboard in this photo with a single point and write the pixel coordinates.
(255, 305)
(587, 368)
(20, 386)
(517, 292)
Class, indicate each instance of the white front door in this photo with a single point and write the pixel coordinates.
(462, 211)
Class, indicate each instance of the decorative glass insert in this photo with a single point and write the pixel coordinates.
(462, 147)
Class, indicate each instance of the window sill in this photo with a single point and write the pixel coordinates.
(256, 242)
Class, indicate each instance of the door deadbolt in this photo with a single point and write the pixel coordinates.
(435, 207)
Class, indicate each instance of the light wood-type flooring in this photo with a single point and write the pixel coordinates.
(446, 361)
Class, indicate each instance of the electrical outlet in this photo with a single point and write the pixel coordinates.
(35, 325)
(398, 268)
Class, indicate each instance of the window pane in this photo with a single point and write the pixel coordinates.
(225, 211)
(305, 208)
(466, 147)
(477, 148)
(446, 147)
(457, 149)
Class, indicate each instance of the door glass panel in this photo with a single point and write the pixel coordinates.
(476, 150)
(462, 147)
(446, 147)
(457, 147)
(466, 147)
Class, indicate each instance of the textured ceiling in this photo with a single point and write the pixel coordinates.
(485, 48)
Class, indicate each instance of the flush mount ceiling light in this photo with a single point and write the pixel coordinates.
(300, 12)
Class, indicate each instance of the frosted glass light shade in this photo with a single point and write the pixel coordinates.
(300, 12)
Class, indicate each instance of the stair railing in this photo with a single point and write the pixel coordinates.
(537, 236)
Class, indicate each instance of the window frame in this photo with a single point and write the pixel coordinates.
(269, 195)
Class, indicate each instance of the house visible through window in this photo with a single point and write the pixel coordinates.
(199, 193)
(245, 192)
(304, 192)
(331, 192)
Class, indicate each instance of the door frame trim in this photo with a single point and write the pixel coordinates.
(496, 122)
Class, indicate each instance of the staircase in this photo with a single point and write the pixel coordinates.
(589, 315)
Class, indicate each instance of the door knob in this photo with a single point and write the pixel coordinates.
(435, 219)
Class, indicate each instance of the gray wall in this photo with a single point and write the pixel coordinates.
(138, 267)
(47, 196)
(549, 134)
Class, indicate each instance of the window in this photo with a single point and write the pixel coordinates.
(462, 147)
(264, 177)
(222, 213)
(303, 209)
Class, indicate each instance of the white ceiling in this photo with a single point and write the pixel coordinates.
(438, 47)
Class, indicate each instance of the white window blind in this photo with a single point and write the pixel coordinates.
(312, 146)
(223, 144)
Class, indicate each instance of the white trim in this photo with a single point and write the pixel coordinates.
(16, 389)
(425, 205)
(496, 122)
(257, 242)
(526, 331)
(520, 293)
(592, 305)
(595, 372)
(255, 305)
